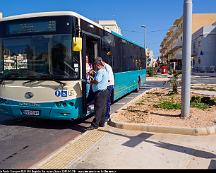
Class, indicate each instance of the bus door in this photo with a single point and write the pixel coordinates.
(91, 45)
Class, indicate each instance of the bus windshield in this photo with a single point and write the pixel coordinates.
(39, 57)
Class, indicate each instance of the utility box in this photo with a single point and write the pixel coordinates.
(163, 69)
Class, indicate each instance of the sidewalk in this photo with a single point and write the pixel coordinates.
(122, 149)
(111, 148)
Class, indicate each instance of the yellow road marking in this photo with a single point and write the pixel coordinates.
(62, 158)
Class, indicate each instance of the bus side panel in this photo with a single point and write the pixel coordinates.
(142, 75)
(127, 82)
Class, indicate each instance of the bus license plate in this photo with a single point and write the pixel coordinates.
(31, 113)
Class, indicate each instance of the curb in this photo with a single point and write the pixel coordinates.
(163, 129)
(160, 129)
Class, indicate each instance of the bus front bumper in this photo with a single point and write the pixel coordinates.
(67, 110)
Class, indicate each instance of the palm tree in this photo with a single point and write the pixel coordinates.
(174, 81)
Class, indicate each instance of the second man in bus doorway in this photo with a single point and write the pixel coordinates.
(99, 87)
(110, 87)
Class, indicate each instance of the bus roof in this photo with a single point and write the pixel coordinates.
(64, 13)
(46, 14)
(124, 38)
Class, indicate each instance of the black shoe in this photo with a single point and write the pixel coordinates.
(102, 125)
(91, 128)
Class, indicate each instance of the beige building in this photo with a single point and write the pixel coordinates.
(111, 25)
(171, 46)
(204, 50)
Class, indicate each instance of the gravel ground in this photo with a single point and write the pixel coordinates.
(144, 111)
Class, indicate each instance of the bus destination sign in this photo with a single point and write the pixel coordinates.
(33, 27)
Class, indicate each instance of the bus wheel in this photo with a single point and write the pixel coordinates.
(139, 84)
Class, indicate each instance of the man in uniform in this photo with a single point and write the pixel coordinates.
(99, 87)
(110, 87)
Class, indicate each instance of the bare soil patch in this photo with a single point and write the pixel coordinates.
(145, 111)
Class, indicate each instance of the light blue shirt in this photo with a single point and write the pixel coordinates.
(102, 78)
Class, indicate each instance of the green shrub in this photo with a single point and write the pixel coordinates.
(202, 102)
(208, 101)
(151, 71)
(199, 105)
(196, 99)
(174, 81)
(168, 105)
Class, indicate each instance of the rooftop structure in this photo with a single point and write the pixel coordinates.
(111, 25)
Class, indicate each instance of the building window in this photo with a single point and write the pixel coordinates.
(194, 46)
(199, 60)
(199, 43)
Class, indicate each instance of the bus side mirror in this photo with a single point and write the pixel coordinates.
(77, 44)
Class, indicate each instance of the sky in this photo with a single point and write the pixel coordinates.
(157, 15)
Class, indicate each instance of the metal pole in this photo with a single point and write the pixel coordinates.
(144, 26)
(186, 59)
(145, 38)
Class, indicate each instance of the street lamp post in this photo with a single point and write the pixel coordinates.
(186, 59)
(144, 26)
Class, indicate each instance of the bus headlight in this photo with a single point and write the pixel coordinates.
(58, 104)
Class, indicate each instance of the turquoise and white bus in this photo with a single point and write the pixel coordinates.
(43, 64)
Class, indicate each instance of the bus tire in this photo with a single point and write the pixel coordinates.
(139, 84)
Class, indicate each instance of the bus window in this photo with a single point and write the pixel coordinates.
(43, 56)
(58, 57)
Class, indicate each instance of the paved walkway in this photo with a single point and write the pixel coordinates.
(121, 149)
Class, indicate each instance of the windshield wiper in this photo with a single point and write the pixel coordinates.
(49, 76)
(52, 77)
(33, 80)
(4, 77)
(30, 81)
(58, 81)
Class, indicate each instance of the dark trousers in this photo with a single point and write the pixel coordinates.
(100, 108)
(90, 98)
(110, 90)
